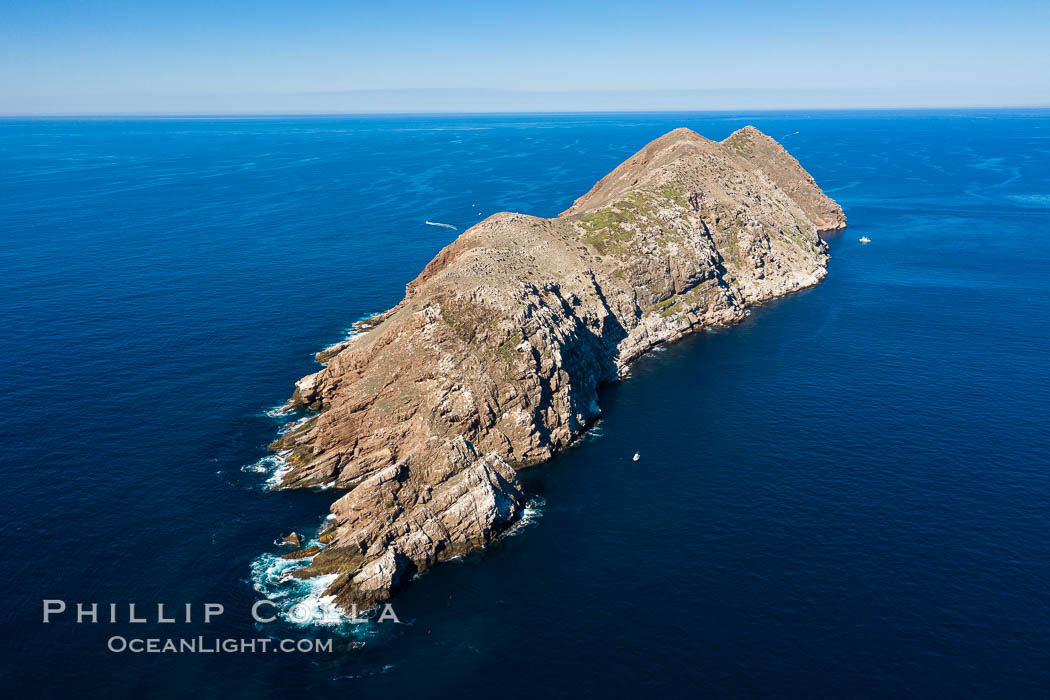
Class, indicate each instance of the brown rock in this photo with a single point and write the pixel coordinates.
(302, 553)
(494, 357)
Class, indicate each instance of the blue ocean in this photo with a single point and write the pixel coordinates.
(847, 495)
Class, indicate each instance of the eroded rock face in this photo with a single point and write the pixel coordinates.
(493, 360)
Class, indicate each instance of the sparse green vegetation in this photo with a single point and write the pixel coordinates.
(684, 302)
(466, 318)
(797, 237)
(609, 230)
(506, 348)
(674, 194)
(663, 306)
(740, 143)
(606, 228)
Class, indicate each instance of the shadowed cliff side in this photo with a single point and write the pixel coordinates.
(493, 359)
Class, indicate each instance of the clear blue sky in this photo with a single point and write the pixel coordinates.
(167, 56)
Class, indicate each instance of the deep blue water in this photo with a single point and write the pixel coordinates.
(847, 495)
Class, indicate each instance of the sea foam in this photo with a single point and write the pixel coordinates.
(275, 466)
(299, 602)
(302, 602)
(530, 515)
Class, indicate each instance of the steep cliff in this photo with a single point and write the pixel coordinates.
(493, 359)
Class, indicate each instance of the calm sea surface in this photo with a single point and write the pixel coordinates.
(849, 494)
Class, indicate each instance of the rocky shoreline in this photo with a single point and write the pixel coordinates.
(492, 361)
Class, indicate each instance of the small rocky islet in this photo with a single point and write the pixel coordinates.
(493, 359)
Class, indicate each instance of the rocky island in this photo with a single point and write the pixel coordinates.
(493, 360)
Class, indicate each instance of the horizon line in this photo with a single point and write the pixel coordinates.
(263, 114)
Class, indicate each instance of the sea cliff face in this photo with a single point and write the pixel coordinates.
(493, 360)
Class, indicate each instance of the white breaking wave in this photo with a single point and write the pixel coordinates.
(277, 411)
(275, 466)
(353, 331)
(282, 467)
(348, 334)
(531, 514)
(594, 432)
(292, 425)
(436, 223)
(301, 601)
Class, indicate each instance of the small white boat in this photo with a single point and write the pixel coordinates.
(865, 239)
(637, 457)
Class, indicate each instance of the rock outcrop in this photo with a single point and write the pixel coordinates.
(493, 360)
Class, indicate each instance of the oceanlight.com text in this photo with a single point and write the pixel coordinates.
(225, 645)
